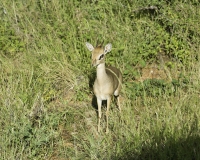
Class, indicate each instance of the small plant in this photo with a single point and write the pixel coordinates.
(10, 42)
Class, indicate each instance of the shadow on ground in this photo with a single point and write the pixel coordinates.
(183, 149)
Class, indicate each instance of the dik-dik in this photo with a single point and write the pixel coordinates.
(108, 79)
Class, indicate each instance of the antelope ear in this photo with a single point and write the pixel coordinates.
(108, 48)
(89, 46)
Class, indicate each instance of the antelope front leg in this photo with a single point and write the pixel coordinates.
(107, 113)
(99, 102)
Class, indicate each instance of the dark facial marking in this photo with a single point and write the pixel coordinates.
(101, 56)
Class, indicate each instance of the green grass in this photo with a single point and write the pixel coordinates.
(46, 79)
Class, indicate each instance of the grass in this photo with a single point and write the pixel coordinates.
(46, 98)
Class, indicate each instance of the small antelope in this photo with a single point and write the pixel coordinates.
(108, 80)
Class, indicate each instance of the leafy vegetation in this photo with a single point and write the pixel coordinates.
(47, 108)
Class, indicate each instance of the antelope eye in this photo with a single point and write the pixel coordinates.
(101, 56)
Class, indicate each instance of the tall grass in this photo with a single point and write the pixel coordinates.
(46, 106)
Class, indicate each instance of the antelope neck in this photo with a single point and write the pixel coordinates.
(101, 71)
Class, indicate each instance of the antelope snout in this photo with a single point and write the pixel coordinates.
(93, 63)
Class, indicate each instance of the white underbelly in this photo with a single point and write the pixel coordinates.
(102, 96)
